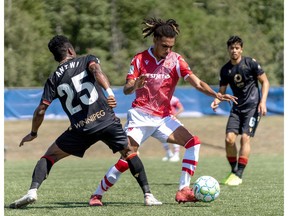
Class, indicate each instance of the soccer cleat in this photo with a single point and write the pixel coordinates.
(232, 180)
(29, 198)
(235, 181)
(165, 158)
(168, 156)
(227, 179)
(150, 200)
(175, 158)
(95, 200)
(185, 195)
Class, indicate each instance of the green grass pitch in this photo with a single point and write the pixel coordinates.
(67, 190)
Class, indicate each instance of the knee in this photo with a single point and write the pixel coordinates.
(230, 141)
(193, 141)
(129, 153)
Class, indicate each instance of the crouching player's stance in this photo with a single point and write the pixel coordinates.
(78, 83)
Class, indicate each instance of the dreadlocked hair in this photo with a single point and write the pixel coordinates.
(160, 28)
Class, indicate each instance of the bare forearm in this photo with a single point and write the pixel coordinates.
(264, 91)
(38, 118)
(201, 86)
(128, 89)
(206, 89)
(101, 78)
(134, 84)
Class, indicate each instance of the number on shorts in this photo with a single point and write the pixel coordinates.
(252, 122)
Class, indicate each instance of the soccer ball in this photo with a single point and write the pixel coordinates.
(206, 189)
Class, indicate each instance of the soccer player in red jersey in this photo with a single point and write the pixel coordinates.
(153, 76)
(78, 83)
(242, 74)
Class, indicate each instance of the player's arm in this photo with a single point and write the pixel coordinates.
(264, 92)
(37, 120)
(133, 84)
(216, 101)
(206, 89)
(103, 81)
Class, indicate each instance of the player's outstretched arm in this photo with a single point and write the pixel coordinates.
(206, 89)
(37, 120)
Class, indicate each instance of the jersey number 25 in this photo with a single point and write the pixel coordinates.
(79, 86)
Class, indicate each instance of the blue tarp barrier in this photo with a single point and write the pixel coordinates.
(21, 103)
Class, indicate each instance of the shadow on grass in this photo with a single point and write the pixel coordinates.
(164, 184)
(55, 205)
(59, 205)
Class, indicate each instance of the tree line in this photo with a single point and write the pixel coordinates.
(112, 30)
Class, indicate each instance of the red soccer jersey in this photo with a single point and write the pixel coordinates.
(162, 77)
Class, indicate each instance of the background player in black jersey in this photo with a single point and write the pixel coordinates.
(242, 74)
(78, 83)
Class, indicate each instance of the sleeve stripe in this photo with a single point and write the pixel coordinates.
(46, 102)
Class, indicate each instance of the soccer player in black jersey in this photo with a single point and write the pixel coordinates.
(242, 74)
(77, 83)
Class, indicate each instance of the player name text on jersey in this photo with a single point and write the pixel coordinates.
(64, 67)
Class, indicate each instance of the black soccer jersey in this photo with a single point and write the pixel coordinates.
(243, 81)
(81, 97)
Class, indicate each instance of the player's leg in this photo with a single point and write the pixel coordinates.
(114, 137)
(231, 156)
(243, 154)
(231, 150)
(131, 161)
(137, 170)
(40, 173)
(169, 153)
(189, 163)
(113, 175)
(172, 131)
(109, 179)
(232, 131)
(250, 121)
(137, 136)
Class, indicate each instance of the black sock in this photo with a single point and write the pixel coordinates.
(240, 170)
(233, 166)
(233, 163)
(138, 171)
(41, 172)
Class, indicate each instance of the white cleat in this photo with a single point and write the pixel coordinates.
(165, 158)
(29, 198)
(150, 200)
(175, 158)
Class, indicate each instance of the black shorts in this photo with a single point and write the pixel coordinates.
(243, 122)
(75, 143)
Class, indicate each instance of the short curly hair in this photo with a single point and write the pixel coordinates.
(58, 46)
